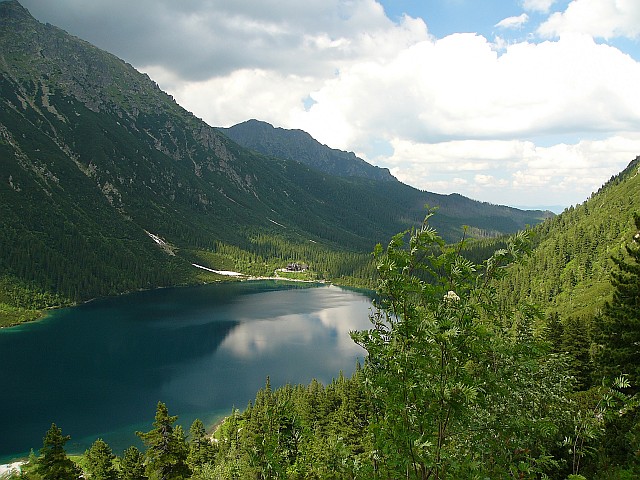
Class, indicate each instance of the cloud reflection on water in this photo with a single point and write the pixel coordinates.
(330, 320)
(312, 342)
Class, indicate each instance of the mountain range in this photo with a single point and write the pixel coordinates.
(107, 185)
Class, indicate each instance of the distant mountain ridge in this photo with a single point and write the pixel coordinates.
(97, 164)
(454, 209)
(301, 147)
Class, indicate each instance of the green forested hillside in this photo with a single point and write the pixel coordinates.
(98, 165)
(569, 271)
(485, 220)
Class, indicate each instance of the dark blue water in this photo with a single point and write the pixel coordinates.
(99, 370)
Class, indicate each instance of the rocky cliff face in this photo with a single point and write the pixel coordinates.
(33, 52)
(42, 60)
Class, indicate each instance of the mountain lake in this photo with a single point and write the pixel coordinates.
(98, 370)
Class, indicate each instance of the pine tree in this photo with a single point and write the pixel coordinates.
(200, 447)
(100, 461)
(554, 331)
(620, 325)
(166, 447)
(576, 342)
(53, 463)
(132, 465)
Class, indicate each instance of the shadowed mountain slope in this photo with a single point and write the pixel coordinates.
(298, 145)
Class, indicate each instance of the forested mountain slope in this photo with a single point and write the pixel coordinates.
(95, 159)
(454, 210)
(569, 272)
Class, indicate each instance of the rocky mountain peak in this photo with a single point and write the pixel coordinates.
(300, 146)
(11, 9)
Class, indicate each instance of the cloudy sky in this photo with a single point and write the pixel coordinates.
(516, 102)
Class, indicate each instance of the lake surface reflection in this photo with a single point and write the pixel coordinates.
(98, 370)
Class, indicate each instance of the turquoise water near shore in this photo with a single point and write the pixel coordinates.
(99, 369)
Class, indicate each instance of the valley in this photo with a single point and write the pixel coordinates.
(96, 155)
(149, 257)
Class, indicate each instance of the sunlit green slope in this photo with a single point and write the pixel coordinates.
(569, 272)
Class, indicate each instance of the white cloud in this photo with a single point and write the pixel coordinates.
(598, 18)
(489, 181)
(515, 171)
(513, 22)
(199, 39)
(241, 95)
(542, 6)
(458, 87)
(455, 112)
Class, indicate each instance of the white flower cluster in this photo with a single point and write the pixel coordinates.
(451, 296)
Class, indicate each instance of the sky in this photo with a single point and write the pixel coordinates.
(515, 102)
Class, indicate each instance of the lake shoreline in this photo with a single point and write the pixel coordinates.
(7, 468)
(237, 277)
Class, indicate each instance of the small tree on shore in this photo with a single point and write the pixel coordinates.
(100, 461)
(132, 465)
(166, 453)
(53, 462)
(201, 450)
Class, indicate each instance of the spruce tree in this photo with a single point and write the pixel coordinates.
(576, 342)
(166, 447)
(53, 463)
(100, 461)
(553, 332)
(132, 465)
(200, 447)
(620, 325)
